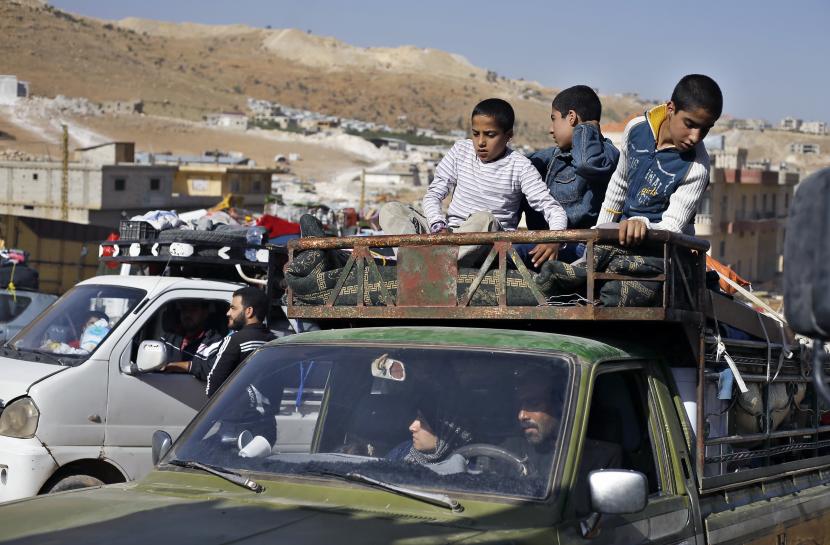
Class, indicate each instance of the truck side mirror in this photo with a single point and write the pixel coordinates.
(161, 445)
(152, 356)
(617, 491)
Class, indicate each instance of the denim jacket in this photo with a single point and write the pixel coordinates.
(577, 178)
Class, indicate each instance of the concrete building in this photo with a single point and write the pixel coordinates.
(790, 124)
(122, 107)
(107, 154)
(206, 184)
(11, 89)
(391, 143)
(228, 120)
(805, 148)
(726, 157)
(814, 127)
(106, 185)
(396, 176)
(751, 124)
(743, 215)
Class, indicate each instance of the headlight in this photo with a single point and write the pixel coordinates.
(19, 419)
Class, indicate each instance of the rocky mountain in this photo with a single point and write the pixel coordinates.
(188, 70)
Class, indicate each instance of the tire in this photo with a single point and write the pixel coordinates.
(236, 236)
(73, 482)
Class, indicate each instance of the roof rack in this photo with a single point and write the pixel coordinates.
(203, 258)
(427, 278)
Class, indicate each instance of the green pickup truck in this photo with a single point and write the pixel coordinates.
(549, 430)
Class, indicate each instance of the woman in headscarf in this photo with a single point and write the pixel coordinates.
(436, 433)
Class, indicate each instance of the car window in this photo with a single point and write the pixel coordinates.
(618, 434)
(77, 323)
(454, 420)
(12, 306)
(183, 325)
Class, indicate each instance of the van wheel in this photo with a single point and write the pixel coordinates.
(73, 482)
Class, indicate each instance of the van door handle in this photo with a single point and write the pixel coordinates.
(96, 418)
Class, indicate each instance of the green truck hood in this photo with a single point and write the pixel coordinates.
(183, 508)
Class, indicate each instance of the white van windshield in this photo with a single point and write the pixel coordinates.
(455, 420)
(73, 327)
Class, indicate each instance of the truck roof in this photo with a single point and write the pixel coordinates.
(587, 349)
(154, 285)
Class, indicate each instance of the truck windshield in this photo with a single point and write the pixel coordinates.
(73, 327)
(455, 420)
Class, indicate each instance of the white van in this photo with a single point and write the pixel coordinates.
(77, 414)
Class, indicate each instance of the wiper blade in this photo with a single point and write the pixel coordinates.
(230, 476)
(440, 500)
(49, 355)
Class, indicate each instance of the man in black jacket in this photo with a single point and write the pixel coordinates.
(245, 316)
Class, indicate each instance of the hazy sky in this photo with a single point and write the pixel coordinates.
(771, 58)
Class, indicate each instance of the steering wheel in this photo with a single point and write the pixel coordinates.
(486, 450)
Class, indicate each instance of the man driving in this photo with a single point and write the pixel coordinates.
(194, 345)
(539, 412)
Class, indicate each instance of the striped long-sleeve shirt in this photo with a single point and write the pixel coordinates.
(662, 188)
(495, 187)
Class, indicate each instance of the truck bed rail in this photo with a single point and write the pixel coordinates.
(427, 278)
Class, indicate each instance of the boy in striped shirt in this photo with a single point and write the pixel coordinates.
(487, 179)
(664, 168)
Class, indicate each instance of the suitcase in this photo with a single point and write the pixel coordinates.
(807, 258)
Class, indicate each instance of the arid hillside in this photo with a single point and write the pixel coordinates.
(188, 70)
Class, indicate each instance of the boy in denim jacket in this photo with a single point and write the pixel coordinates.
(577, 169)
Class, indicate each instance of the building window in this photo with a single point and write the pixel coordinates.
(120, 184)
(235, 186)
(722, 248)
(34, 176)
(705, 206)
(155, 184)
(257, 187)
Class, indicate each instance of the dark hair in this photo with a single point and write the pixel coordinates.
(498, 109)
(97, 314)
(698, 91)
(581, 99)
(254, 298)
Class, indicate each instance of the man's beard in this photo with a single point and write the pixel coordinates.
(237, 323)
(531, 432)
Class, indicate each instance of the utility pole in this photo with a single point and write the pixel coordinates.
(65, 175)
(362, 191)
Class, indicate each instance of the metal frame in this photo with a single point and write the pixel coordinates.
(810, 438)
(672, 307)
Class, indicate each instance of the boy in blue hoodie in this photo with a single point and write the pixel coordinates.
(576, 170)
(664, 168)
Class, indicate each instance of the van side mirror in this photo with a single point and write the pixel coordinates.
(152, 356)
(161, 445)
(618, 491)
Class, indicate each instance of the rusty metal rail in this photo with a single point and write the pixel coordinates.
(428, 269)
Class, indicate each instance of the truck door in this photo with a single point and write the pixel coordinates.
(626, 430)
(139, 404)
